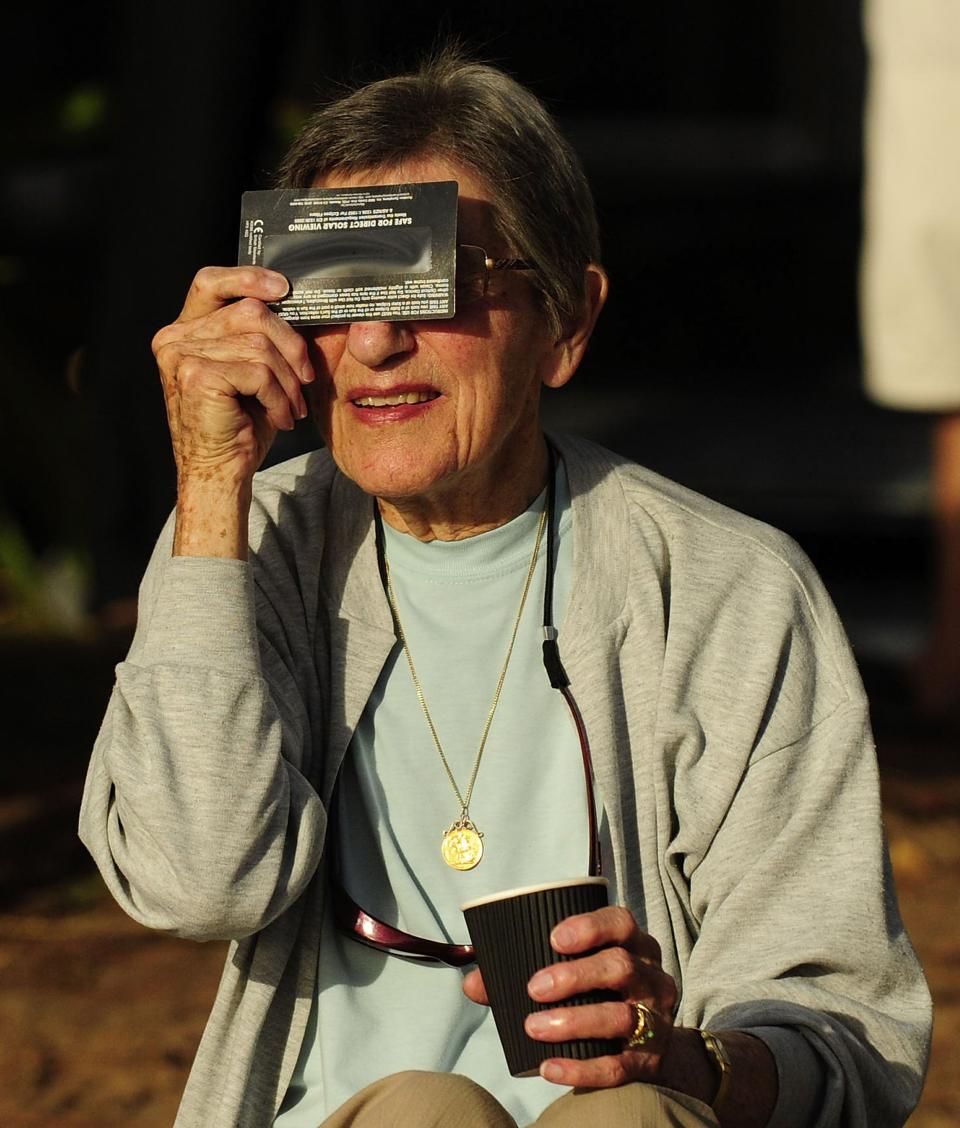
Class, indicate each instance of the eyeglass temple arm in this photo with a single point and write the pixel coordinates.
(501, 263)
(508, 264)
(554, 667)
(351, 919)
(595, 865)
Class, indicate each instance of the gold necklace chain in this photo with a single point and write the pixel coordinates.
(462, 846)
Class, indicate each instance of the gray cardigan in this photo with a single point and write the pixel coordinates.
(731, 746)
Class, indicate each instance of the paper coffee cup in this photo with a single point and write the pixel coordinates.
(511, 934)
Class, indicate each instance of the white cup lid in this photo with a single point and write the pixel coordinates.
(524, 889)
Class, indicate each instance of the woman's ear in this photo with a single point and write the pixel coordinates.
(567, 352)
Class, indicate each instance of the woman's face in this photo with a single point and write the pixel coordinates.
(441, 415)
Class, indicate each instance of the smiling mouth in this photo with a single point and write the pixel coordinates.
(396, 400)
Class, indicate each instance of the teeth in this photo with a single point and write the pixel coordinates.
(394, 401)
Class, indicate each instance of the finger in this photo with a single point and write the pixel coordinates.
(256, 348)
(592, 1020)
(258, 381)
(214, 286)
(602, 1072)
(612, 969)
(246, 316)
(251, 316)
(613, 925)
(473, 987)
(211, 390)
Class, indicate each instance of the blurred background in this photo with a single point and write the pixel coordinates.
(725, 146)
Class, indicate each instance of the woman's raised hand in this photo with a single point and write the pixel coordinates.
(232, 373)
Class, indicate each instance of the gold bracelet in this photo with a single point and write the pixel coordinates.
(721, 1060)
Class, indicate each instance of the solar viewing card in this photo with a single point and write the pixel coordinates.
(384, 253)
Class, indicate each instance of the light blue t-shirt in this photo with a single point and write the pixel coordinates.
(375, 1014)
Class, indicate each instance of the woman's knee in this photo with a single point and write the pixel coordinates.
(422, 1099)
(637, 1105)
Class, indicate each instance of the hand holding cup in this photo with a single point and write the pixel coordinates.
(584, 1004)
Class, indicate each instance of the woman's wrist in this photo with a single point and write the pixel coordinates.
(750, 1095)
(686, 1066)
(212, 519)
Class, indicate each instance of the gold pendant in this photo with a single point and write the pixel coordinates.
(462, 847)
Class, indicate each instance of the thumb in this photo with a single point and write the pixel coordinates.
(474, 989)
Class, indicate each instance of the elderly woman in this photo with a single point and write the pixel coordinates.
(335, 716)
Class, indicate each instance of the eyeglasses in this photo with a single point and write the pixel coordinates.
(474, 268)
(360, 925)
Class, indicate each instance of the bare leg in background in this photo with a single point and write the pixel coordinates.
(938, 680)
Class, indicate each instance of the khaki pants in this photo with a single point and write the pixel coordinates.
(447, 1100)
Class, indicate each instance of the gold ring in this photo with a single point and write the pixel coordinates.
(645, 1029)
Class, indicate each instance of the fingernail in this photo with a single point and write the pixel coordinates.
(277, 285)
(562, 935)
(537, 1024)
(542, 983)
(307, 374)
(551, 1071)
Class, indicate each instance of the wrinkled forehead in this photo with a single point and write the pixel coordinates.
(476, 210)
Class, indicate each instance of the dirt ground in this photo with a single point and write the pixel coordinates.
(99, 1018)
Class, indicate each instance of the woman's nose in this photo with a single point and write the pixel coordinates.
(374, 343)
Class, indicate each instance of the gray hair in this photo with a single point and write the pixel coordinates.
(482, 119)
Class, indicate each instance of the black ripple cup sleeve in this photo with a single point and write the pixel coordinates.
(511, 934)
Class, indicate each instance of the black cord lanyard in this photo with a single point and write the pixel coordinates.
(554, 667)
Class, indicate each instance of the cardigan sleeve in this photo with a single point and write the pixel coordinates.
(198, 808)
(799, 936)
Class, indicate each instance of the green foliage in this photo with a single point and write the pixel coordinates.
(83, 109)
(40, 595)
